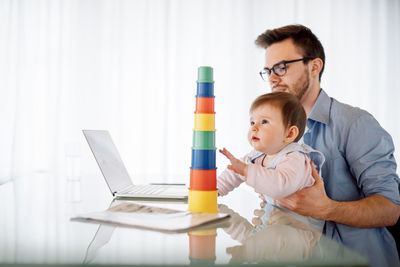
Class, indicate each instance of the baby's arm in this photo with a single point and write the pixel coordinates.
(229, 179)
(292, 173)
(237, 165)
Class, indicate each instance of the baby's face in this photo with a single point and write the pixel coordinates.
(267, 132)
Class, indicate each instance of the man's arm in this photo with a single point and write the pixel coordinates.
(372, 211)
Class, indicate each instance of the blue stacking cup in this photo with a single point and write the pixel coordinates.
(203, 159)
(205, 89)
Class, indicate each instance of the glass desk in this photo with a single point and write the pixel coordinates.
(35, 228)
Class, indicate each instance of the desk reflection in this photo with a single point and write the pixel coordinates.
(202, 246)
(279, 237)
(102, 236)
(201, 241)
(274, 236)
(37, 230)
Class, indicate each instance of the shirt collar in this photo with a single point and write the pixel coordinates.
(321, 109)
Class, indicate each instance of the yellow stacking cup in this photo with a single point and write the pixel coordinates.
(203, 201)
(204, 122)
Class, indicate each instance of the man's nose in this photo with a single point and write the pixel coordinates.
(273, 79)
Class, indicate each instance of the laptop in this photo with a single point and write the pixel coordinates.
(117, 177)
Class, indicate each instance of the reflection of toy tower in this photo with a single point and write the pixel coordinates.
(203, 172)
(202, 246)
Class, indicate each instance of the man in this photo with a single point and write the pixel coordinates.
(359, 194)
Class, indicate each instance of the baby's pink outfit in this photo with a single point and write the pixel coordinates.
(289, 172)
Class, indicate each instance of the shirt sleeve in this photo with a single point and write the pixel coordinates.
(369, 152)
(292, 173)
(227, 181)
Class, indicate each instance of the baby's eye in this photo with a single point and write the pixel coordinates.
(264, 121)
(252, 123)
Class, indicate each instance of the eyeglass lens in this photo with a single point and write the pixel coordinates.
(279, 70)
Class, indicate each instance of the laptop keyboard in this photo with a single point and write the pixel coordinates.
(147, 189)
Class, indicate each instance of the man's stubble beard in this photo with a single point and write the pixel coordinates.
(301, 87)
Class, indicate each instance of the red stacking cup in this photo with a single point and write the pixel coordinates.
(205, 105)
(203, 180)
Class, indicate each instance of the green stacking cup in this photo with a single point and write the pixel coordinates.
(205, 75)
(204, 140)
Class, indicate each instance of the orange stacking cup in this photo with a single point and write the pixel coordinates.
(203, 180)
(202, 247)
(205, 105)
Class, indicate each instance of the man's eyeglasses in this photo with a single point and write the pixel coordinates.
(279, 68)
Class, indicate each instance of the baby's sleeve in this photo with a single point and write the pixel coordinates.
(292, 173)
(227, 181)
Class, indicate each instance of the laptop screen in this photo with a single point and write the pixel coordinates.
(108, 159)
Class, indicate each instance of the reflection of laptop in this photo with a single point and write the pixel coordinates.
(116, 175)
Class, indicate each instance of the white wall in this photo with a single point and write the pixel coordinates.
(131, 66)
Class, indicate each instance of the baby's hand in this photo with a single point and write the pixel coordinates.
(236, 165)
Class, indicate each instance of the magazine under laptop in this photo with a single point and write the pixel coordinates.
(117, 177)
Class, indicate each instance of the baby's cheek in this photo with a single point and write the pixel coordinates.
(249, 136)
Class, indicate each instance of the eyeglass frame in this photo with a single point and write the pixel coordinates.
(268, 71)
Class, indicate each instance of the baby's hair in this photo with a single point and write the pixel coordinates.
(293, 113)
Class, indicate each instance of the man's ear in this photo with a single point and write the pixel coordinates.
(316, 66)
(291, 134)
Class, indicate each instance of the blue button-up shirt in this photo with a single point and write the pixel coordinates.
(359, 163)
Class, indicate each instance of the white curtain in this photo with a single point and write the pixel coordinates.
(131, 66)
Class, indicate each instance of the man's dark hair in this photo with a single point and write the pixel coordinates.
(302, 37)
(292, 110)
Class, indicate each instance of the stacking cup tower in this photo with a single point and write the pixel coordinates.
(203, 172)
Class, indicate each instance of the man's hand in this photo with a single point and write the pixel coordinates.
(371, 211)
(236, 165)
(310, 201)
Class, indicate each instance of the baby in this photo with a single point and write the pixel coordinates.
(278, 166)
